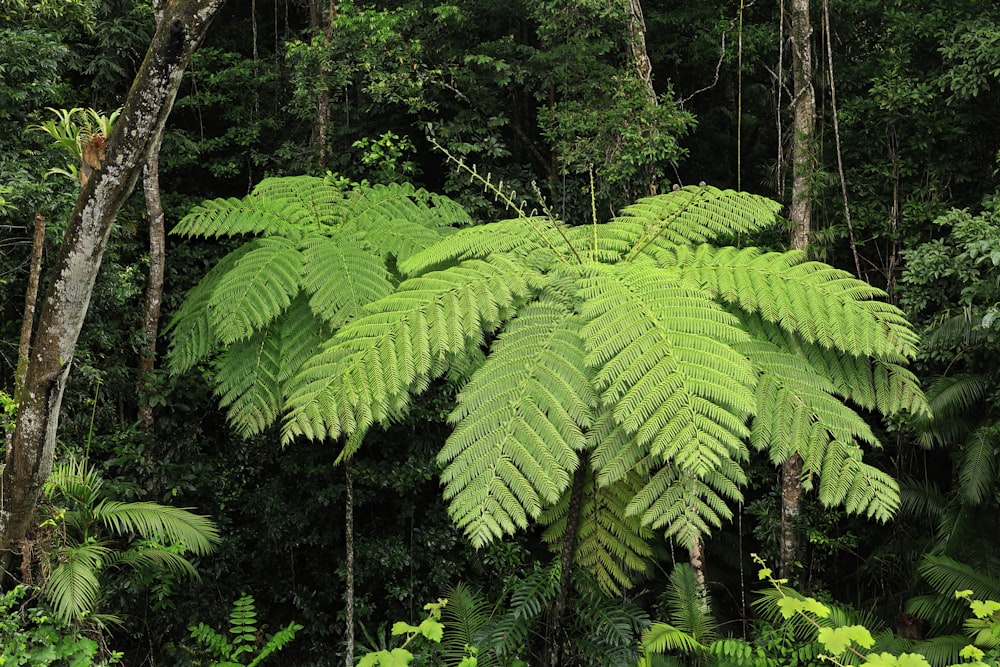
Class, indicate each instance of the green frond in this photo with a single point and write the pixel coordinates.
(72, 587)
(466, 618)
(611, 546)
(947, 575)
(367, 371)
(192, 334)
(260, 285)
(664, 359)
(662, 637)
(341, 278)
(977, 477)
(821, 304)
(518, 425)
(277, 206)
(920, 499)
(942, 651)
(873, 384)
(862, 489)
(160, 523)
(73, 481)
(694, 214)
(399, 220)
(686, 506)
(250, 375)
(152, 556)
(952, 398)
(687, 605)
(517, 237)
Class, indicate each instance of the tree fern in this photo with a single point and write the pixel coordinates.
(632, 347)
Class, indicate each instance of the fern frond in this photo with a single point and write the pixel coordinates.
(518, 425)
(821, 304)
(664, 360)
(687, 605)
(694, 214)
(159, 523)
(277, 206)
(518, 237)
(250, 375)
(258, 287)
(611, 546)
(952, 398)
(466, 617)
(192, 334)
(859, 487)
(341, 278)
(369, 368)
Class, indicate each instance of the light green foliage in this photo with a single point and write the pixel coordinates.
(321, 254)
(72, 131)
(631, 345)
(243, 645)
(430, 629)
(84, 537)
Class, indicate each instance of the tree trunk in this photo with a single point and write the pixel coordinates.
(804, 160)
(321, 130)
(641, 63)
(555, 635)
(349, 563)
(154, 283)
(62, 314)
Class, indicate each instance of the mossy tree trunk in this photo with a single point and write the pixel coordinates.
(62, 313)
(804, 161)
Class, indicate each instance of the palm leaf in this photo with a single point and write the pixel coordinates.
(518, 425)
(159, 523)
(687, 606)
(466, 617)
(977, 477)
(72, 586)
(662, 638)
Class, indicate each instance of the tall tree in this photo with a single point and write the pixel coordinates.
(62, 314)
(804, 161)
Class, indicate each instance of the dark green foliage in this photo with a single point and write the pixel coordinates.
(242, 646)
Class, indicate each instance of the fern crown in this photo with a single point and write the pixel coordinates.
(633, 348)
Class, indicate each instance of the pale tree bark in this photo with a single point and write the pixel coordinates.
(640, 61)
(157, 267)
(804, 160)
(62, 313)
(349, 563)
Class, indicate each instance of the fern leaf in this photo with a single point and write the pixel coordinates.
(861, 488)
(518, 237)
(259, 286)
(609, 545)
(518, 425)
(817, 302)
(251, 375)
(687, 606)
(466, 618)
(694, 214)
(192, 334)
(369, 368)
(341, 278)
(664, 360)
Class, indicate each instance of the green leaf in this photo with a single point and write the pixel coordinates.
(836, 640)
(889, 660)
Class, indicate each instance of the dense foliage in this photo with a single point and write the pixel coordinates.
(301, 157)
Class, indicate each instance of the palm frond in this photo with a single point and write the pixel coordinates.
(662, 637)
(687, 606)
(977, 477)
(943, 650)
(368, 370)
(160, 523)
(466, 617)
(155, 557)
(72, 586)
(951, 398)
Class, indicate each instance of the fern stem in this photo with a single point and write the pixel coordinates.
(653, 231)
(553, 644)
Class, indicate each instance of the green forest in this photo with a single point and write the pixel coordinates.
(464, 333)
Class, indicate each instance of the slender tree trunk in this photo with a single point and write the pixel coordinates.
(322, 128)
(696, 557)
(556, 635)
(62, 314)
(154, 283)
(804, 161)
(641, 63)
(349, 540)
